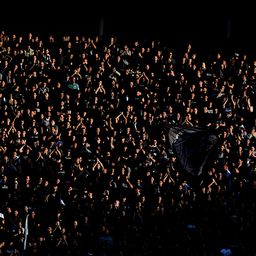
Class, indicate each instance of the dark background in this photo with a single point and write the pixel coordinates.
(206, 24)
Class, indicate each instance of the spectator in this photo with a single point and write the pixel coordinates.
(83, 149)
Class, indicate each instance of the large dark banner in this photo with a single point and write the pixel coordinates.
(193, 147)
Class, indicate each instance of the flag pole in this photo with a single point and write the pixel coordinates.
(25, 236)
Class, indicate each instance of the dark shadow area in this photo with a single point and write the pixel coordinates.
(210, 24)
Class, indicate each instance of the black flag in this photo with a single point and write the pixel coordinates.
(192, 147)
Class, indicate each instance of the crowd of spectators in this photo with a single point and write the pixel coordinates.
(84, 151)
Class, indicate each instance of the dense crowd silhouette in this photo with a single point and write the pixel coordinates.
(84, 155)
